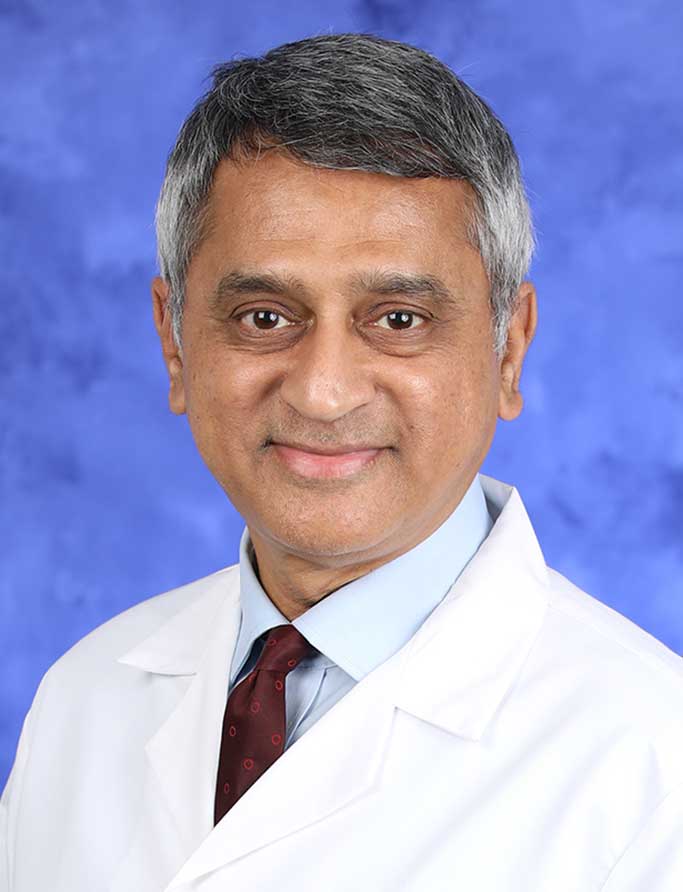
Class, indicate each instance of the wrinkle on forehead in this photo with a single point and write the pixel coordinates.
(279, 197)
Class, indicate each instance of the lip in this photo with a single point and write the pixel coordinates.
(339, 462)
(343, 449)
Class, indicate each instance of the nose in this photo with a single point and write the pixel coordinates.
(328, 377)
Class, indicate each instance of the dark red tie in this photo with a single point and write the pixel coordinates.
(255, 720)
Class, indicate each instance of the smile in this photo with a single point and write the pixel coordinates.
(313, 464)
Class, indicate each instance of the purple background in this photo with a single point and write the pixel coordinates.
(104, 498)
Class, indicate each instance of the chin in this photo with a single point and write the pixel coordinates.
(331, 540)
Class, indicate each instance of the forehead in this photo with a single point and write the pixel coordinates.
(276, 199)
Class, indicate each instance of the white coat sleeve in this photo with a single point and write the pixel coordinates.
(654, 859)
(9, 804)
(4, 865)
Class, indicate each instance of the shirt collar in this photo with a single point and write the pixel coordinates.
(366, 621)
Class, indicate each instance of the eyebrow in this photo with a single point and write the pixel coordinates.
(238, 282)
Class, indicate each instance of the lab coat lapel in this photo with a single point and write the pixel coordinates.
(336, 762)
(464, 658)
(453, 674)
(193, 649)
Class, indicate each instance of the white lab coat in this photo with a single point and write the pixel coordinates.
(526, 739)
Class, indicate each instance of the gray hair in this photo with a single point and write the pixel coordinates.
(351, 102)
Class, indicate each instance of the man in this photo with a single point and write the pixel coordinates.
(391, 690)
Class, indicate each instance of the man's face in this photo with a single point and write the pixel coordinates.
(301, 326)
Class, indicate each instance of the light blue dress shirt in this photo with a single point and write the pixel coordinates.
(362, 623)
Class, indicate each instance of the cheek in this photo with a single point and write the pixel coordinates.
(224, 382)
(452, 412)
(220, 407)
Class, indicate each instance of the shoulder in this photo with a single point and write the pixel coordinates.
(89, 696)
(94, 658)
(620, 636)
(631, 674)
(605, 688)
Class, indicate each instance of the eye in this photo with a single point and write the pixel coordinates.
(402, 320)
(265, 320)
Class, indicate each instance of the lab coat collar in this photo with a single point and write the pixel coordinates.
(453, 674)
(196, 642)
(461, 662)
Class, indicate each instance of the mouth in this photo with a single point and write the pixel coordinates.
(333, 463)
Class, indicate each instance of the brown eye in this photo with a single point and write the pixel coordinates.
(401, 320)
(265, 320)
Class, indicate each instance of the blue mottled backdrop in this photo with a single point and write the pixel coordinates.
(105, 500)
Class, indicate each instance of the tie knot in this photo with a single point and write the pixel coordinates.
(284, 649)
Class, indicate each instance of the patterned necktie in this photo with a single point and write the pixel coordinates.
(255, 720)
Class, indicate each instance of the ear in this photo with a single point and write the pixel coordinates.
(172, 355)
(520, 334)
